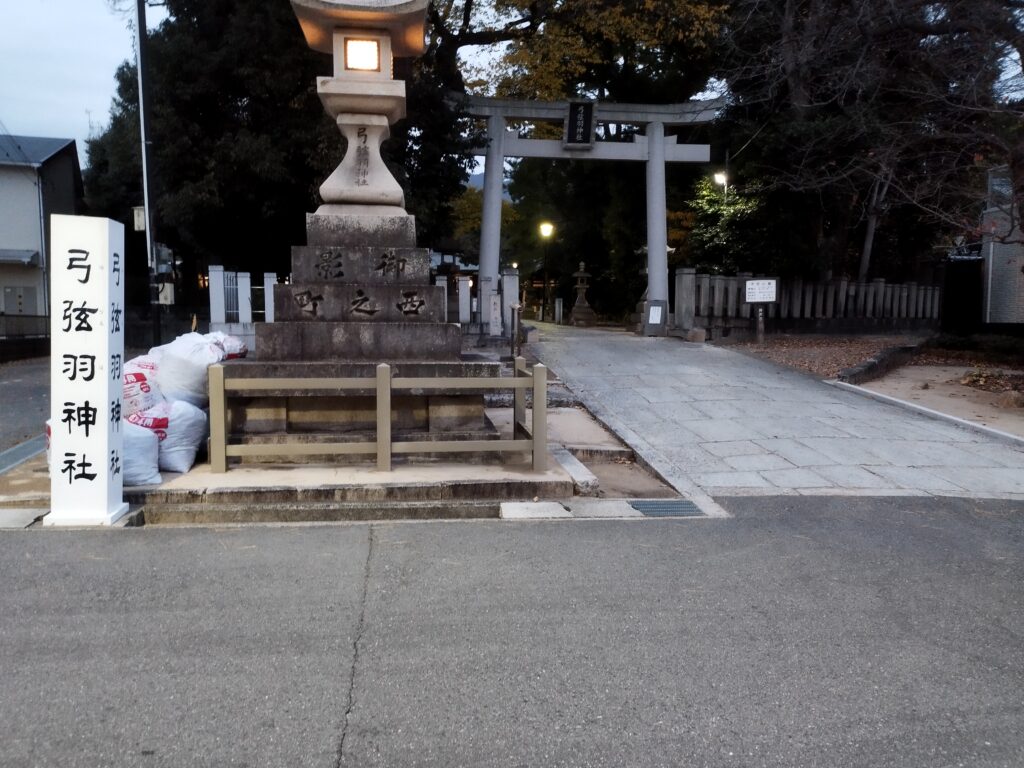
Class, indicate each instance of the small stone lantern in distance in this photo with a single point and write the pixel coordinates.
(362, 96)
(582, 313)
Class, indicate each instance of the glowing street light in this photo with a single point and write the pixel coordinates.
(722, 180)
(546, 229)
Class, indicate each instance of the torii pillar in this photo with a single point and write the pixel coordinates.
(653, 149)
(490, 225)
(655, 319)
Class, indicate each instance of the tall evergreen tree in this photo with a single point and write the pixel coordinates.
(865, 115)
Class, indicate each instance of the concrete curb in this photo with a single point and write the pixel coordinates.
(21, 453)
(937, 415)
(585, 482)
(875, 367)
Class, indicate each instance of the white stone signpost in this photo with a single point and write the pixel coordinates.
(86, 364)
(761, 292)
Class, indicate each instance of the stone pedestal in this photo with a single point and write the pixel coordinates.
(358, 341)
(359, 295)
(382, 226)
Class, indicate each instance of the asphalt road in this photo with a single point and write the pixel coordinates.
(24, 400)
(801, 632)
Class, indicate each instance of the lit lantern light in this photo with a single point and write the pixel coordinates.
(362, 55)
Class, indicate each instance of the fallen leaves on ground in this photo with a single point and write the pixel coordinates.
(992, 380)
(823, 356)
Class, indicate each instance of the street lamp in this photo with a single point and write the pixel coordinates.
(722, 180)
(546, 229)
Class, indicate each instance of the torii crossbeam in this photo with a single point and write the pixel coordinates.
(580, 119)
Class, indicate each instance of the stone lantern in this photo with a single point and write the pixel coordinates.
(362, 201)
(582, 314)
(360, 292)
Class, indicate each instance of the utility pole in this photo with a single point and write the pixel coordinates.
(140, 66)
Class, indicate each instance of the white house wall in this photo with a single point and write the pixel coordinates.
(1004, 278)
(19, 230)
(19, 201)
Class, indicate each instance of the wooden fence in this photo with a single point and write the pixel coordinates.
(526, 437)
(715, 302)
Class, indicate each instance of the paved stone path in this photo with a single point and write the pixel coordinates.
(715, 422)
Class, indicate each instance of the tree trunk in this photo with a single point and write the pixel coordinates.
(878, 192)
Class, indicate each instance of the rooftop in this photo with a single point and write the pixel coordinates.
(29, 150)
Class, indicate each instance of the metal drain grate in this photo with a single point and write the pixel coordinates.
(666, 508)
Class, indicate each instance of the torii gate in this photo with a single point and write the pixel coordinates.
(580, 118)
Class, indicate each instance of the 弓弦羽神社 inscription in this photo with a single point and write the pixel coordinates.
(411, 303)
(82, 416)
(579, 125)
(330, 265)
(364, 305)
(79, 367)
(78, 318)
(78, 260)
(77, 468)
(309, 303)
(362, 158)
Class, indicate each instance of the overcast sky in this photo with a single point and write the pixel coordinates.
(57, 64)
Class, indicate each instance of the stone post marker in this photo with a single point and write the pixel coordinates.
(86, 363)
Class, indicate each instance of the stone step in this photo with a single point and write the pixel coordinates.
(364, 265)
(358, 341)
(259, 511)
(347, 302)
(483, 431)
(366, 496)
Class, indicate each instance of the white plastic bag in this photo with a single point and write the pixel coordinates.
(233, 346)
(181, 428)
(182, 372)
(141, 392)
(141, 456)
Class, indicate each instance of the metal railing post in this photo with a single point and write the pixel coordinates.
(218, 421)
(540, 418)
(384, 417)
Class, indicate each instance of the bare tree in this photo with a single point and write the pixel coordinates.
(881, 103)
